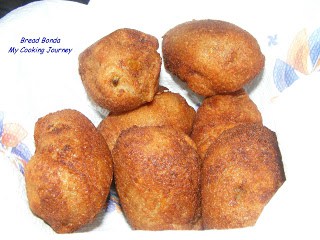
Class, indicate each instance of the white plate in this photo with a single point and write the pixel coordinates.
(33, 84)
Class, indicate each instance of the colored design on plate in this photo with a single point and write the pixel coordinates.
(113, 201)
(11, 145)
(303, 58)
(273, 40)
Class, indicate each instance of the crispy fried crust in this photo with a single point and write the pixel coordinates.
(240, 174)
(212, 56)
(157, 174)
(219, 113)
(121, 71)
(167, 108)
(69, 176)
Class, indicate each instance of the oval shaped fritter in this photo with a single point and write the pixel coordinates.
(120, 72)
(212, 56)
(167, 108)
(241, 172)
(157, 176)
(69, 177)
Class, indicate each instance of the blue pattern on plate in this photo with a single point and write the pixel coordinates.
(283, 74)
(19, 154)
(314, 45)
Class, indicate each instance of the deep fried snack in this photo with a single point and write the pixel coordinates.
(69, 177)
(167, 108)
(121, 71)
(212, 56)
(157, 175)
(241, 172)
(219, 113)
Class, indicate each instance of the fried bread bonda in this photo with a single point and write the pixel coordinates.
(167, 108)
(157, 176)
(212, 56)
(241, 172)
(219, 113)
(120, 72)
(69, 176)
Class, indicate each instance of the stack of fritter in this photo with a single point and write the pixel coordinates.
(220, 176)
(242, 166)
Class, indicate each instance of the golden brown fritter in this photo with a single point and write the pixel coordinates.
(212, 56)
(167, 108)
(157, 176)
(219, 113)
(69, 176)
(121, 71)
(241, 172)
